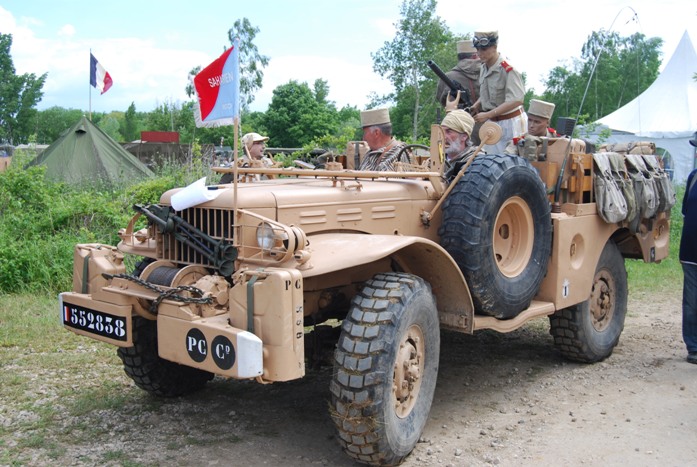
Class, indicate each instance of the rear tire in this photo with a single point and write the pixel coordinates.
(386, 365)
(589, 331)
(153, 374)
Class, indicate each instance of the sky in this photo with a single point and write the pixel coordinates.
(148, 47)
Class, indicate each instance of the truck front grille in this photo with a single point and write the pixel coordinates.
(216, 223)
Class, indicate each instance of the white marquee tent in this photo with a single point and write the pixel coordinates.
(665, 113)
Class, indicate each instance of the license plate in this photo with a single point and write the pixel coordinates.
(94, 322)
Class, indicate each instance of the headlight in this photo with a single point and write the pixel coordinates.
(265, 236)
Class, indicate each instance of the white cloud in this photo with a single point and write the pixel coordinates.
(67, 31)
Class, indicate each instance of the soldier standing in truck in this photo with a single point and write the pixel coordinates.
(501, 91)
(466, 72)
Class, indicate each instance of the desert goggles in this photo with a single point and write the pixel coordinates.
(483, 42)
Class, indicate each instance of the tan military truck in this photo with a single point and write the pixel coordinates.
(235, 278)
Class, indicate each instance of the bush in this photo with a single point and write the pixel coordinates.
(41, 221)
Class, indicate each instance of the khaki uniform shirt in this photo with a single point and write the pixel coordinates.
(496, 85)
(466, 72)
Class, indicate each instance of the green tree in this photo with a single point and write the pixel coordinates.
(295, 115)
(54, 121)
(19, 95)
(111, 125)
(130, 125)
(252, 62)
(190, 91)
(421, 35)
(612, 71)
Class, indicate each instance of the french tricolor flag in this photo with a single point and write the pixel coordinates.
(218, 90)
(99, 77)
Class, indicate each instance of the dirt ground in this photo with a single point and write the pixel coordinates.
(501, 399)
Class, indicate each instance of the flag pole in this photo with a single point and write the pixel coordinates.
(90, 86)
(236, 124)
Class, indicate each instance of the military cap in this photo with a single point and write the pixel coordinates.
(541, 108)
(375, 117)
(483, 39)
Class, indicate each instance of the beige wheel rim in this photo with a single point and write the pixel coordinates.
(408, 371)
(602, 301)
(514, 235)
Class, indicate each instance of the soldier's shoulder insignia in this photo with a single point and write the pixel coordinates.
(506, 66)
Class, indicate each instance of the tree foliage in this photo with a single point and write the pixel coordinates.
(130, 131)
(625, 67)
(19, 95)
(297, 114)
(252, 62)
(53, 121)
(421, 35)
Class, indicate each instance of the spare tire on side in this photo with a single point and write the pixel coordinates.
(497, 227)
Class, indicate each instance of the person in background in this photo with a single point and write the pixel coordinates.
(539, 117)
(688, 259)
(501, 92)
(466, 72)
(457, 127)
(253, 145)
(385, 151)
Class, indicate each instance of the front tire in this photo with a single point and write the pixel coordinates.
(386, 365)
(153, 374)
(589, 331)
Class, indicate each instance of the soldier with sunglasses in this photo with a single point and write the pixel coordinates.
(501, 92)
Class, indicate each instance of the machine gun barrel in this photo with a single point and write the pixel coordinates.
(465, 98)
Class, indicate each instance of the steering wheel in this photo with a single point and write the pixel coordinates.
(409, 147)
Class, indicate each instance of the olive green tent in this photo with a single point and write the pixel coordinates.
(85, 153)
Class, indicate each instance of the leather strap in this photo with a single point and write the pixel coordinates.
(508, 116)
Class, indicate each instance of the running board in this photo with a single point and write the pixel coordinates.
(535, 310)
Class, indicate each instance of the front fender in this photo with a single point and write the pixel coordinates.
(334, 252)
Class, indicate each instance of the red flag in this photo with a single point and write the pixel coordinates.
(218, 90)
(99, 77)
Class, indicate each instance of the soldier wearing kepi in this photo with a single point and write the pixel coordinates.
(539, 118)
(466, 72)
(501, 92)
(385, 151)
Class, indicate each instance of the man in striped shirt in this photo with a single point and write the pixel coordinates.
(384, 149)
